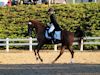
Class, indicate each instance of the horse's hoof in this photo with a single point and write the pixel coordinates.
(41, 60)
(53, 62)
(72, 61)
(36, 58)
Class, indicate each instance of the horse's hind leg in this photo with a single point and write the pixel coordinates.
(61, 52)
(72, 53)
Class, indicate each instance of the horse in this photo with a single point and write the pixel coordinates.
(67, 39)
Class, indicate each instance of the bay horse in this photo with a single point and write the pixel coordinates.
(67, 39)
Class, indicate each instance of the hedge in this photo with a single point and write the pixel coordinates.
(13, 20)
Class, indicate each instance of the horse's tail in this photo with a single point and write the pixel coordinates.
(80, 34)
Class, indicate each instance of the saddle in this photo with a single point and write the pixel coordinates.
(56, 36)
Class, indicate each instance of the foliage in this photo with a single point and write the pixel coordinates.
(13, 20)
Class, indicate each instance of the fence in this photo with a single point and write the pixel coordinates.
(29, 42)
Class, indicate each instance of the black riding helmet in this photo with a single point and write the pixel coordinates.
(51, 11)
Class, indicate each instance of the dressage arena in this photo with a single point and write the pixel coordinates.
(28, 57)
(20, 62)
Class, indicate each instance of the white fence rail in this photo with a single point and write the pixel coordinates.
(29, 42)
(26, 42)
(83, 42)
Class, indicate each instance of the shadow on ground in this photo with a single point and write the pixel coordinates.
(50, 69)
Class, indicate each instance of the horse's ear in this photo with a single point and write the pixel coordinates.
(30, 21)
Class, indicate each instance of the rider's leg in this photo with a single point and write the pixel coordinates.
(52, 37)
(51, 32)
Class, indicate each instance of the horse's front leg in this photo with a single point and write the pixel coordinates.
(38, 49)
(35, 52)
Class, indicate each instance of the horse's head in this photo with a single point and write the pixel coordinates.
(34, 24)
(30, 28)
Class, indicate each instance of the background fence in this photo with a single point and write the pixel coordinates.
(30, 42)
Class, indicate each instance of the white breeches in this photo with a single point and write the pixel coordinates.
(51, 28)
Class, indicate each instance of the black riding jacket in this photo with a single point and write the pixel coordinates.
(53, 20)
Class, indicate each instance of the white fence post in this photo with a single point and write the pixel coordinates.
(73, 1)
(81, 48)
(30, 43)
(49, 3)
(55, 47)
(7, 44)
(95, 1)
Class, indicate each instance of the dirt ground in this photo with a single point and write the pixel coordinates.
(27, 57)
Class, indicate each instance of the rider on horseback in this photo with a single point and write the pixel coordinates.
(53, 25)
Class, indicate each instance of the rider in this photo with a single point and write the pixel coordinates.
(54, 26)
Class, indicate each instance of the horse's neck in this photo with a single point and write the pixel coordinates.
(40, 29)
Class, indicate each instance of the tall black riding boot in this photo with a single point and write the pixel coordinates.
(52, 37)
